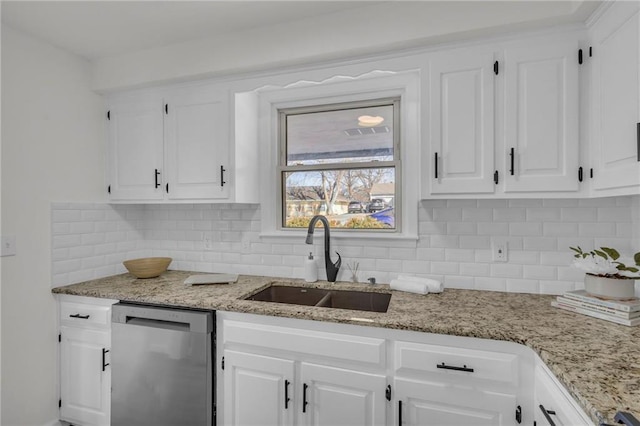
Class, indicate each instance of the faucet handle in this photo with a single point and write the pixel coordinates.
(338, 262)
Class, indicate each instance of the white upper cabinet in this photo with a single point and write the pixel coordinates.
(135, 148)
(615, 154)
(462, 87)
(541, 117)
(503, 120)
(197, 145)
(177, 145)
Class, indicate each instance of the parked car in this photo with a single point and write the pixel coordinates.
(386, 216)
(376, 205)
(357, 207)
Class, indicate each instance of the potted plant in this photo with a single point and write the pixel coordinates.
(608, 275)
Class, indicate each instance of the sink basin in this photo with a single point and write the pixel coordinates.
(290, 295)
(356, 300)
(343, 299)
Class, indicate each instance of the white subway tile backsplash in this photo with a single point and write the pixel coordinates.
(91, 240)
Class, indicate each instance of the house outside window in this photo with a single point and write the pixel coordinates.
(341, 161)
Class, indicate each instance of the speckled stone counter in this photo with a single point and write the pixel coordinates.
(598, 362)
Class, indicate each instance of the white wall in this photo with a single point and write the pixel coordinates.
(52, 149)
(91, 240)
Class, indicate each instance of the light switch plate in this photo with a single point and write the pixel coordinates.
(8, 245)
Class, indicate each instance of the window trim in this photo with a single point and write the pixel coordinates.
(396, 163)
(336, 85)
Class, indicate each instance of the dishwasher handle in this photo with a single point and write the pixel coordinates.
(165, 318)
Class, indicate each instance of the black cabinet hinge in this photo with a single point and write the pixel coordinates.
(519, 414)
(495, 67)
(580, 56)
(223, 363)
(109, 115)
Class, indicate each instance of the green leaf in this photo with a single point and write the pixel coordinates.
(636, 258)
(613, 253)
(601, 254)
(578, 250)
(585, 255)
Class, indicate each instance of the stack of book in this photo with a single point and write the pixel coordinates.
(625, 312)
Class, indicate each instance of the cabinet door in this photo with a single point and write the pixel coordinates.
(197, 157)
(616, 99)
(85, 383)
(258, 390)
(336, 396)
(135, 130)
(553, 405)
(462, 127)
(541, 117)
(422, 403)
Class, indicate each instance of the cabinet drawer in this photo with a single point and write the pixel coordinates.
(468, 364)
(80, 314)
(350, 348)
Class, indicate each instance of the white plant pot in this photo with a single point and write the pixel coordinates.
(609, 288)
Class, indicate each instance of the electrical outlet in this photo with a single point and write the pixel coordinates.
(8, 245)
(208, 241)
(500, 250)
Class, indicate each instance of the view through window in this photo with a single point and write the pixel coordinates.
(341, 161)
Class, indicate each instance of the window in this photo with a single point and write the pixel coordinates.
(341, 161)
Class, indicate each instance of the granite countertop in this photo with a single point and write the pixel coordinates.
(598, 362)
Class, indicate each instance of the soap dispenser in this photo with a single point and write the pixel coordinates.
(310, 269)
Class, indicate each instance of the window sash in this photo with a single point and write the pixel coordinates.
(282, 167)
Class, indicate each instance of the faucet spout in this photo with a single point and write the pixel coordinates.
(331, 268)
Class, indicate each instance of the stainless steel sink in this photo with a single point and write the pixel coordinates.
(343, 299)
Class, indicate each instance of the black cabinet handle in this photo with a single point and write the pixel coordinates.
(495, 177)
(304, 398)
(512, 154)
(156, 178)
(623, 417)
(436, 164)
(80, 316)
(286, 394)
(495, 67)
(387, 393)
(104, 355)
(580, 174)
(547, 415)
(399, 413)
(453, 367)
(638, 139)
(222, 170)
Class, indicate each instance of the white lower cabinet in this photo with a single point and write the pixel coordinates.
(440, 403)
(85, 374)
(277, 375)
(258, 389)
(339, 396)
(553, 404)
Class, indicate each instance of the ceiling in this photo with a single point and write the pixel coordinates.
(101, 29)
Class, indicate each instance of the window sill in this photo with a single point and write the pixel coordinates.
(388, 240)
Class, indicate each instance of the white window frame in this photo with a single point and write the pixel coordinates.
(371, 86)
(395, 163)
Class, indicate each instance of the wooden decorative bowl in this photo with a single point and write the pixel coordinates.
(147, 267)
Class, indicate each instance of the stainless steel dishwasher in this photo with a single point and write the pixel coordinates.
(162, 366)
